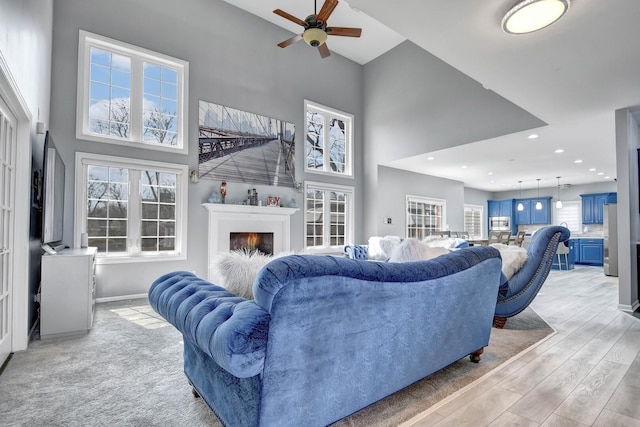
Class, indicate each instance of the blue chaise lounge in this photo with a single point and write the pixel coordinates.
(517, 293)
(327, 336)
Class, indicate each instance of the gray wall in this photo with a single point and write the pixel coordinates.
(415, 103)
(25, 44)
(627, 144)
(395, 184)
(229, 65)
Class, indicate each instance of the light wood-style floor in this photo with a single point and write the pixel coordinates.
(586, 374)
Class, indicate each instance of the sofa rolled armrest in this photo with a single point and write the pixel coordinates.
(229, 329)
(356, 251)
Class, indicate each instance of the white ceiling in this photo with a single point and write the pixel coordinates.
(572, 75)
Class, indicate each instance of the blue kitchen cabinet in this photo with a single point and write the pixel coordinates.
(523, 216)
(530, 215)
(506, 208)
(494, 208)
(542, 216)
(591, 251)
(593, 206)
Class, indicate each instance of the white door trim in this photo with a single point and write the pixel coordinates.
(11, 95)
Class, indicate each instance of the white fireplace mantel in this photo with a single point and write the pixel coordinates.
(226, 218)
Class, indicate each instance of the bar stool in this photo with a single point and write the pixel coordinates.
(563, 250)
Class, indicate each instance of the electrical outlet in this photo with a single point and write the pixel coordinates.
(386, 220)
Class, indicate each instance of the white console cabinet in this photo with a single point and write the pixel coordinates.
(67, 292)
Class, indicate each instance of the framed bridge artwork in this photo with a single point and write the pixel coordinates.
(238, 146)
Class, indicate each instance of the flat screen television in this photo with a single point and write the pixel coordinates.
(53, 171)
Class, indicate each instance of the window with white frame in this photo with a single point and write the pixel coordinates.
(328, 216)
(473, 221)
(570, 214)
(131, 96)
(131, 209)
(424, 216)
(328, 140)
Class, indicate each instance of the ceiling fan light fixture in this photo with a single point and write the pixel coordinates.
(314, 37)
(528, 16)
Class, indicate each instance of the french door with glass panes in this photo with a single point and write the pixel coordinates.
(8, 143)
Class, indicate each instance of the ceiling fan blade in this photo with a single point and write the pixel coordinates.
(344, 31)
(292, 40)
(324, 50)
(290, 17)
(327, 10)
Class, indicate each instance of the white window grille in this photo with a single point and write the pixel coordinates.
(131, 209)
(424, 216)
(473, 221)
(328, 140)
(328, 216)
(131, 96)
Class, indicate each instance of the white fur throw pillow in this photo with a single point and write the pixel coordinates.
(415, 250)
(439, 242)
(380, 248)
(236, 270)
(513, 258)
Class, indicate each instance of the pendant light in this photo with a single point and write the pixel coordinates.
(559, 202)
(538, 203)
(520, 206)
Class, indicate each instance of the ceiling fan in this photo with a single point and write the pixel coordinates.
(315, 28)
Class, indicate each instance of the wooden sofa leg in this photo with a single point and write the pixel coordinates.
(475, 356)
(194, 392)
(499, 322)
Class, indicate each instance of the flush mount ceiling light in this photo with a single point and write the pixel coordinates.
(528, 16)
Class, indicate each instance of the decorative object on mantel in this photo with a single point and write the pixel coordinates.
(214, 197)
(261, 148)
(253, 197)
(273, 201)
(223, 190)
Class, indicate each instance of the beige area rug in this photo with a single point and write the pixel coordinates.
(519, 333)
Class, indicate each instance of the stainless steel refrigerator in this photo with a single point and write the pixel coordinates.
(610, 225)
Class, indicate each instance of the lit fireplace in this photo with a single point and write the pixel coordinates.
(261, 242)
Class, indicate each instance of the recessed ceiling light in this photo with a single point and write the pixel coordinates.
(490, 173)
(600, 173)
(592, 170)
(559, 150)
(464, 166)
(492, 181)
(533, 136)
(430, 158)
(577, 161)
(607, 177)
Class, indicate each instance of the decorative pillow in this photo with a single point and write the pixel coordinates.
(513, 258)
(236, 270)
(414, 250)
(380, 247)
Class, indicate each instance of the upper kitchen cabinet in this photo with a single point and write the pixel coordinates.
(500, 207)
(530, 215)
(593, 206)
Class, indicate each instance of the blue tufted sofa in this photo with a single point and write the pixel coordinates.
(327, 336)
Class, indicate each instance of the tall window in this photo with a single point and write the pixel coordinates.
(129, 95)
(570, 214)
(328, 141)
(424, 216)
(328, 216)
(473, 221)
(131, 209)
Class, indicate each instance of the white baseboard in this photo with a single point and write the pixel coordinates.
(121, 298)
(630, 308)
